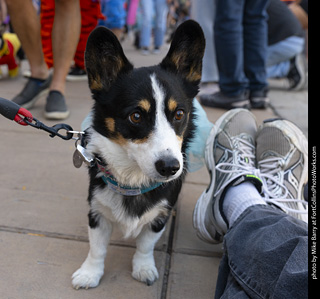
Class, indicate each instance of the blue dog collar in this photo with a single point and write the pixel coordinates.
(127, 190)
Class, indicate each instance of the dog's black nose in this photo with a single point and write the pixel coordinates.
(167, 167)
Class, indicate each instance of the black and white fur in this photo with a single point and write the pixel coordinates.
(142, 123)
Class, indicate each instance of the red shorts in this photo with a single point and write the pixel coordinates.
(90, 13)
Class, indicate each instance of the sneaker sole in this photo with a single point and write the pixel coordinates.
(205, 198)
(71, 78)
(56, 115)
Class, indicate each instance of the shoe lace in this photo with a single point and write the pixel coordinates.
(245, 153)
(276, 192)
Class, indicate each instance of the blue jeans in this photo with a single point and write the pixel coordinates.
(266, 256)
(115, 13)
(241, 45)
(204, 12)
(150, 9)
(279, 55)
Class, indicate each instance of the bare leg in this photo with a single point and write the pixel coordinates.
(26, 24)
(65, 37)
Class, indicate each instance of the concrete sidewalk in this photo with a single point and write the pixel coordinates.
(43, 211)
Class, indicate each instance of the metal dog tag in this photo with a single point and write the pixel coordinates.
(77, 159)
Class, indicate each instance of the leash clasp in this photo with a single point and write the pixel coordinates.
(54, 130)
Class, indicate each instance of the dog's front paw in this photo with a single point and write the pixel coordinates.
(145, 270)
(87, 277)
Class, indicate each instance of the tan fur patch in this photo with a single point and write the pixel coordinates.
(176, 59)
(180, 139)
(119, 139)
(96, 83)
(140, 141)
(172, 104)
(110, 124)
(194, 74)
(145, 105)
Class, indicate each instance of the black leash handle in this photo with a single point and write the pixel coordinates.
(8, 109)
(14, 112)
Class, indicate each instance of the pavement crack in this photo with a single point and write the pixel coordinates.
(168, 256)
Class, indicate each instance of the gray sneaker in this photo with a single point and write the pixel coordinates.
(230, 159)
(32, 91)
(56, 107)
(282, 158)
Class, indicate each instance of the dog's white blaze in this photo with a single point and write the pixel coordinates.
(162, 143)
(164, 140)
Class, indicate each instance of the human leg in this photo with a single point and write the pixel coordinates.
(90, 14)
(26, 24)
(265, 256)
(228, 38)
(279, 55)
(255, 43)
(66, 28)
(146, 26)
(115, 14)
(265, 249)
(47, 12)
(204, 12)
(228, 32)
(255, 31)
(285, 59)
(161, 11)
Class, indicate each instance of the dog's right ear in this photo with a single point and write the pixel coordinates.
(104, 59)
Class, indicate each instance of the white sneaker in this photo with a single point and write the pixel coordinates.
(230, 159)
(282, 158)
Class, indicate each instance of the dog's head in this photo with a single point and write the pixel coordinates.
(144, 114)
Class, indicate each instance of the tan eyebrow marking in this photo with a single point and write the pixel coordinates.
(145, 105)
(172, 104)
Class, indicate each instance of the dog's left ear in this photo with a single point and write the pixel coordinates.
(104, 59)
(186, 52)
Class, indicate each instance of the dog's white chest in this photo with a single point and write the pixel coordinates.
(110, 205)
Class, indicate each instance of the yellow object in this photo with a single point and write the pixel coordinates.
(13, 39)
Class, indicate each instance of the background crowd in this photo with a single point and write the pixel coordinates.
(247, 44)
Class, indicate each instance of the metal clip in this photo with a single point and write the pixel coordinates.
(54, 130)
(79, 134)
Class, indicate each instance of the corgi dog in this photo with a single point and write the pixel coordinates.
(142, 122)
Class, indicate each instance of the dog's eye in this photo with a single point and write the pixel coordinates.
(135, 118)
(179, 114)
